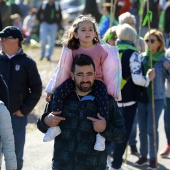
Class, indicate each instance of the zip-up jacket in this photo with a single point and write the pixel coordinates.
(74, 147)
(23, 80)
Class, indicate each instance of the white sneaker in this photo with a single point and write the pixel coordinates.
(51, 133)
(100, 143)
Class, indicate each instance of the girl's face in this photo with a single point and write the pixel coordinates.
(152, 42)
(85, 33)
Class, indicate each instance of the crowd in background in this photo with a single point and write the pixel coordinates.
(22, 14)
(42, 20)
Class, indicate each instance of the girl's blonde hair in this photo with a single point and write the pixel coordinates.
(68, 38)
(160, 38)
(126, 32)
(110, 33)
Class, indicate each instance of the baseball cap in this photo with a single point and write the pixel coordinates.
(11, 31)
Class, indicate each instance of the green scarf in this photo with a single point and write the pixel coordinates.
(155, 58)
(125, 47)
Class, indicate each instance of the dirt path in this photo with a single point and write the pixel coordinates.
(38, 155)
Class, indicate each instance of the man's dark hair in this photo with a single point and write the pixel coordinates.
(82, 60)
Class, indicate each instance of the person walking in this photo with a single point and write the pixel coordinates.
(7, 139)
(24, 83)
(166, 152)
(130, 19)
(7, 147)
(132, 86)
(82, 38)
(155, 45)
(5, 12)
(80, 122)
(50, 17)
(104, 22)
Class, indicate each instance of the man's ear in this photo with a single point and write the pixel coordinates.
(72, 75)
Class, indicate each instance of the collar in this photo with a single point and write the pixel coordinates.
(11, 56)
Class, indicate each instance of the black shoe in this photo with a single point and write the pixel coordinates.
(142, 161)
(41, 58)
(48, 59)
(134, 150)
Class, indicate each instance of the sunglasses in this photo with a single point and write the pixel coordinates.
(152, 41)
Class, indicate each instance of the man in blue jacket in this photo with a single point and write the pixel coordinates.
(24, 84)
(80, 122)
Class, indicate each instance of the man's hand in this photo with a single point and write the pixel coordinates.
(99, 125)
(18, 113)
(48, 97)
(53, 119)
(151, 74)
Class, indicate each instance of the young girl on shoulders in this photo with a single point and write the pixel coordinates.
(82, 38)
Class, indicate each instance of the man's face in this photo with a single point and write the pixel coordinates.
(7, 43)
(84, 79)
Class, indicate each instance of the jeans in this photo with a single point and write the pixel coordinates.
(146, 133)
(19, 130)
(48, 34)
(128, 114)
(167, 120)
(132, 138)
(167, 39)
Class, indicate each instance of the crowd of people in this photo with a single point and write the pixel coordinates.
(108, 79)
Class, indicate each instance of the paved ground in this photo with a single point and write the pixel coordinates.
(38, 154)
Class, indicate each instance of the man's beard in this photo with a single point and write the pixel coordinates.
(83, 88)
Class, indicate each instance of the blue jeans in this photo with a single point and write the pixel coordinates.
(167, 120)
(128, 114)
(132, 138)
(19, 130)
(167, 40)
(146, 134)
(48, 34)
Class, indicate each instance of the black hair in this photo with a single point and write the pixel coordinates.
(82, 60)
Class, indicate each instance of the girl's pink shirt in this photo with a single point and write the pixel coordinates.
(98, 55)
(107, 63)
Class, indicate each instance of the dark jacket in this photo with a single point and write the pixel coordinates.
(74, 147)
(167, 17)
(130, 91)
(49, 13)
(4, 96)
(23, 80)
